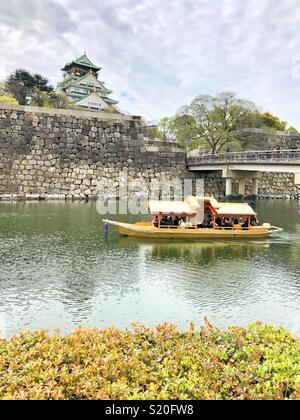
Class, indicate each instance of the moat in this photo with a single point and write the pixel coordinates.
(58, 270)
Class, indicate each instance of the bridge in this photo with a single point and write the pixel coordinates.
(247, 165)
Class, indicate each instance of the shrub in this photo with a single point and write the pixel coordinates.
(260, 362)
(8, 100)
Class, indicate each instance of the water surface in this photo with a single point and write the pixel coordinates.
(58, 270)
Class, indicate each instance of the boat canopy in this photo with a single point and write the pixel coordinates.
(191, 205)
(234, 209)
(171, 207)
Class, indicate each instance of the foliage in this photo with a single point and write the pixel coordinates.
(153, 132)
(292, 130)
(8, 99)
(51, 100)
(111, 110)
(184, 128)
(260, 362)
(164, 127)
(2, 89)
(218, 120)
(23, 85)
(271, 121)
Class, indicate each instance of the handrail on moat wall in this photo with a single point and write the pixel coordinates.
(276, 156)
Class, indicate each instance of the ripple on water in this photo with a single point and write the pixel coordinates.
(57, 270)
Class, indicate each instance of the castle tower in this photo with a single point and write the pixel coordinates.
(82, 86)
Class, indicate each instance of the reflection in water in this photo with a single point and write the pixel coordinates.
(204, 252)
(58, 269)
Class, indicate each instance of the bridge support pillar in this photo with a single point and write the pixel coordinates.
(228, 187)
(297, 179)
(242, 176)
(254, 190)
(242, 186)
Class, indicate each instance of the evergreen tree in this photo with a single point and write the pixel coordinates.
(23, 85)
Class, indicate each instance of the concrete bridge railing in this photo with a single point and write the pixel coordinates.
(276, 156)
(247, 165)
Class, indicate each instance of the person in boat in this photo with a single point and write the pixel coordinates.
(208, 219)
(219, 221)
(188, 222)
(228, 223)
(176, 221)
(254, 221)
(164, 221)
(155, 221)
(182, 223)
(210, 224)
(246, 224)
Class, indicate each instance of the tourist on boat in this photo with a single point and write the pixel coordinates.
(176, 221)
(169, 221)
(246, 224)
(188, 222)
(164, 221)
(219, 221)
(155, 221)
(228, 223)
(210, 225)
(254, 221)
(208, 219)
(182, 223)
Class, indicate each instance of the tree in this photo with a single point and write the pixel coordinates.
(271, 121)
(153, 132)
(184, 129)
(23, 85)
(51, 100)
(42, 84)
(2, 89)
(219, 120)
(292, 130)
(165, 128)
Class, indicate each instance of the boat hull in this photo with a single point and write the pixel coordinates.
(148, 231)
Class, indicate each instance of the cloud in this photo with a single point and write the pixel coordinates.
(157, 56)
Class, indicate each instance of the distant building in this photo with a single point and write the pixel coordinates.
(81, 85)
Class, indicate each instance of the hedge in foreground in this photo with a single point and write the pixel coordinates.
(256, 363)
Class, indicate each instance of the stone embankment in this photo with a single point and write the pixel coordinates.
(63, 154)
(66, 154)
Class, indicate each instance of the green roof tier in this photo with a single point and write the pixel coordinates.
(81, 84)
(82, 61)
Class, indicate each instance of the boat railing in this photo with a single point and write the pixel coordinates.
(196, 227)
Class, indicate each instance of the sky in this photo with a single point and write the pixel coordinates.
(157, 55)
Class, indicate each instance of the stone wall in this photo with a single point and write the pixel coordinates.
(261, 139)
(47, 153)
(271, 185)
(67, 154)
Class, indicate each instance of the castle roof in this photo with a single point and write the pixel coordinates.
(76, 81)
(82, 61)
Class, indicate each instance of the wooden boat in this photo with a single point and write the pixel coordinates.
(205, 217)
